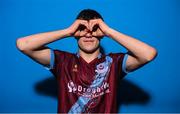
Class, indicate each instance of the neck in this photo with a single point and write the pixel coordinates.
(88, 57)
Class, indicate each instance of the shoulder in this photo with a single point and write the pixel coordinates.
(60, 55)
(116, 55)
(58, 52)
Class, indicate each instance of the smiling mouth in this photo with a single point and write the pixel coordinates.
(88, 40)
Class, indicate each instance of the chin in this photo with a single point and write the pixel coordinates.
(89, 50)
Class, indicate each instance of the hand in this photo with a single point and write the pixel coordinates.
(96, 32)
(98, 27)
(78, 28)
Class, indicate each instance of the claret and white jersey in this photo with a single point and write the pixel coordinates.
(87, 87)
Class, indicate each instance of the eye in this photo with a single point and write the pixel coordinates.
(82, 27)
(95, 27)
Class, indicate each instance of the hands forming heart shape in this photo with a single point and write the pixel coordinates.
(92, 28)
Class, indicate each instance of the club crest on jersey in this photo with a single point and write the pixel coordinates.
(101, 68)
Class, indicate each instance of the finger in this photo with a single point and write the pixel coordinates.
(95, 27)
(85, 23)
(90, 23)
(100, 33)
(77, 34)
(93, 23)
(82, 33)
(83, 26)
(94, 34)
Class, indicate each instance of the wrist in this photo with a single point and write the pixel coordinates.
(109, 32)
(67, 32)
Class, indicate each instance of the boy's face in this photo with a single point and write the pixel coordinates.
(88, 40)
(88, 43)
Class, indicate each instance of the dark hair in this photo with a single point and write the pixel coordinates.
(88, 14)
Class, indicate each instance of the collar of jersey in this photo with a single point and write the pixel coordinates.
(99, 55)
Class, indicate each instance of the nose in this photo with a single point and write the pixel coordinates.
(88, 34)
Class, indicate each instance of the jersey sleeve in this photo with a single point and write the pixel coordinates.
(51, 65)
(120, 63)
(124, 63)
(56, 59)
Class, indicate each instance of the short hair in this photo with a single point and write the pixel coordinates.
(88, 14)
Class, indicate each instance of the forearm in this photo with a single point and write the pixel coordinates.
(37, 41)
(139, 50)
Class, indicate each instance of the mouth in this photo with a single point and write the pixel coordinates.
(88, 40)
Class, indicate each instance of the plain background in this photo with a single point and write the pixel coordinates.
(26, 86)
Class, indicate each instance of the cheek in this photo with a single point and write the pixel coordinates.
(97, 42)
(80, 41)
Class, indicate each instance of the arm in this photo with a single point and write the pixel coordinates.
(34, 46)
(139, 54)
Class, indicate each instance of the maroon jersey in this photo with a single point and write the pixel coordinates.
(87, 87)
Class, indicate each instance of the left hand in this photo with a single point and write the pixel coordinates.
(98, 28)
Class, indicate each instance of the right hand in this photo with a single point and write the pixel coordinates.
(78, 28)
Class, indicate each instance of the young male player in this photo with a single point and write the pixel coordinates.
(87, 80)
